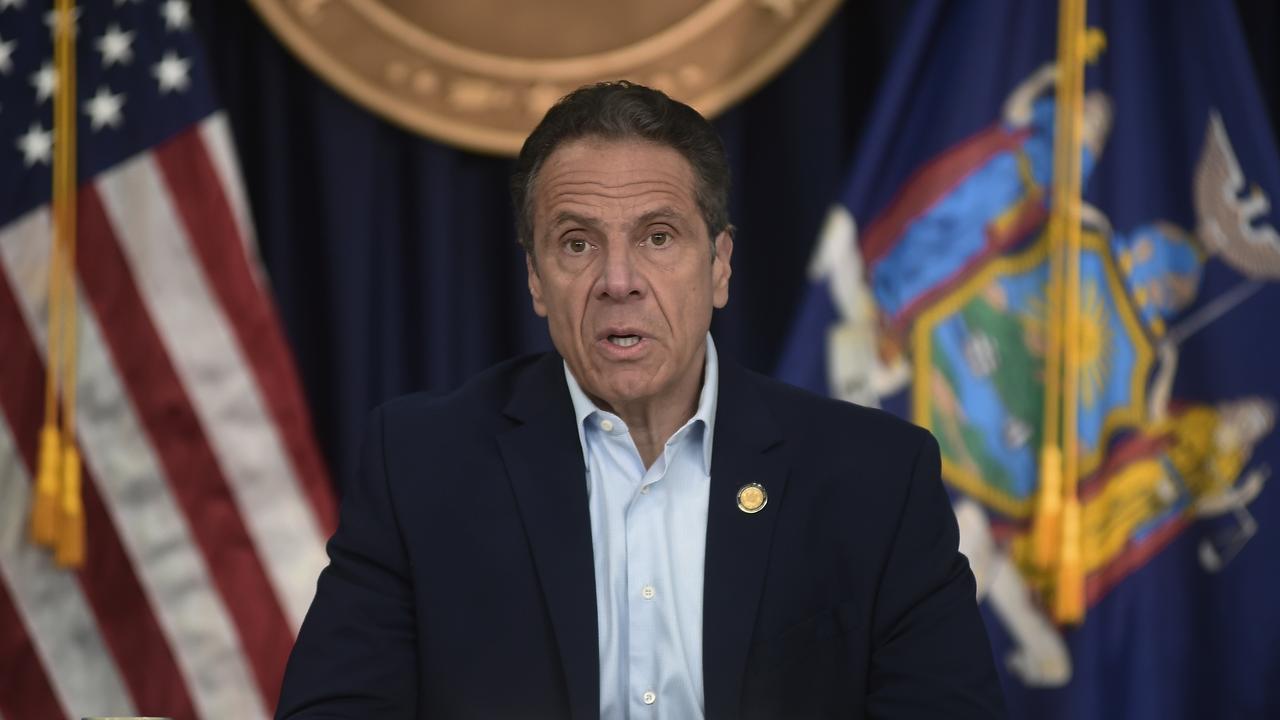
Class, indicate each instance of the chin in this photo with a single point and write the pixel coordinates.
(624, 390)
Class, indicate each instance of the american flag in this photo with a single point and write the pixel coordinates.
(206, 502)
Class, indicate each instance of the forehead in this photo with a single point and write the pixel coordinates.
(599, 172)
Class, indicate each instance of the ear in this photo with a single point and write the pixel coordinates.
(721, 269)
(535, 286)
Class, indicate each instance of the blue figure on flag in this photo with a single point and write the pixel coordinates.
(936, 295)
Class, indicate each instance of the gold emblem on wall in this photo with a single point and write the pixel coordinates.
(480, 73)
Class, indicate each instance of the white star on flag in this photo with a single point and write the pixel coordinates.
(172, 72)
(104, 108)
(36, 145)
(115, 46)
(177, 14)
(45, 81)
(6, 55)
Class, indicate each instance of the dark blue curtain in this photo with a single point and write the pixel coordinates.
(392, 258)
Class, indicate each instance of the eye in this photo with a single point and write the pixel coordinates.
(576, 246)
(659, 239)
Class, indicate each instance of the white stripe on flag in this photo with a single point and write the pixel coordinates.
(216, 134)
(59, 621)
(222, 388)
(137, 497)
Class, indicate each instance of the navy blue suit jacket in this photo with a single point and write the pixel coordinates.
(461, 581)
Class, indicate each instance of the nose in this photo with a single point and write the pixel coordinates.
(620, 279)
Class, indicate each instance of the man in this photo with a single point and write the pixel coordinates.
(633, 527)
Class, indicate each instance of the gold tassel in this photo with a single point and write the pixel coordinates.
(1047, 525)
(57, 513)
(1056, 539)
(44, 508)
(1070, 595)
(70, 550)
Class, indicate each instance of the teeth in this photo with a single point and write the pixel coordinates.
(624, 340)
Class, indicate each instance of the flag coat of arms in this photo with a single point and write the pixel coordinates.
(202, 502)
(1105, 404)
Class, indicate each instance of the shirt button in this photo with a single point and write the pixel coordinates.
(606, 425)
(644, 489)
(647, 592)
(649, 697)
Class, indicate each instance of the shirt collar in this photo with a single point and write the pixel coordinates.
(584, 408)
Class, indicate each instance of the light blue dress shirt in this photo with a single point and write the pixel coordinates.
(648, 534)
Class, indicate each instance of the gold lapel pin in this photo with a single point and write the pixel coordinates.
(752, 498)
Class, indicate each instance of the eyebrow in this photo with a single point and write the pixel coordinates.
(570, 218)
(663, 213)
(566, 217)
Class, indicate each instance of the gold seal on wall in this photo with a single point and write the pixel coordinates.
(481, 73)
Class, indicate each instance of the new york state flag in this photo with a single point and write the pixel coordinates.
(1057, 250)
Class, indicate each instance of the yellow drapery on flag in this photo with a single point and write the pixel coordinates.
(57, 514)
(1056, 529)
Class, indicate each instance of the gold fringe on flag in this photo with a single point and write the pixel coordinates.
(57, 515)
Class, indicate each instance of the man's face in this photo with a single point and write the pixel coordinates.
(624, 270)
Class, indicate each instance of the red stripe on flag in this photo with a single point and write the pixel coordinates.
(195, 479)
(127, 620)
(22, 382)
(202, 203)
(110, 585)
(930, 183)
(24, 688)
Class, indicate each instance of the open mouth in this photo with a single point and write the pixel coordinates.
(624, 341)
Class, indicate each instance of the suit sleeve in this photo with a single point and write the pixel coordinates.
(355, 656)
(931, 657)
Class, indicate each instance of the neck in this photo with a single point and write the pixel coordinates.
(652, 422)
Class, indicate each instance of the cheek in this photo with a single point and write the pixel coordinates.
(570, 265)
(567, 310)
(693, 307)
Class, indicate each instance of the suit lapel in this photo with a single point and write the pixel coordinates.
(543, 457)
(737, 542)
